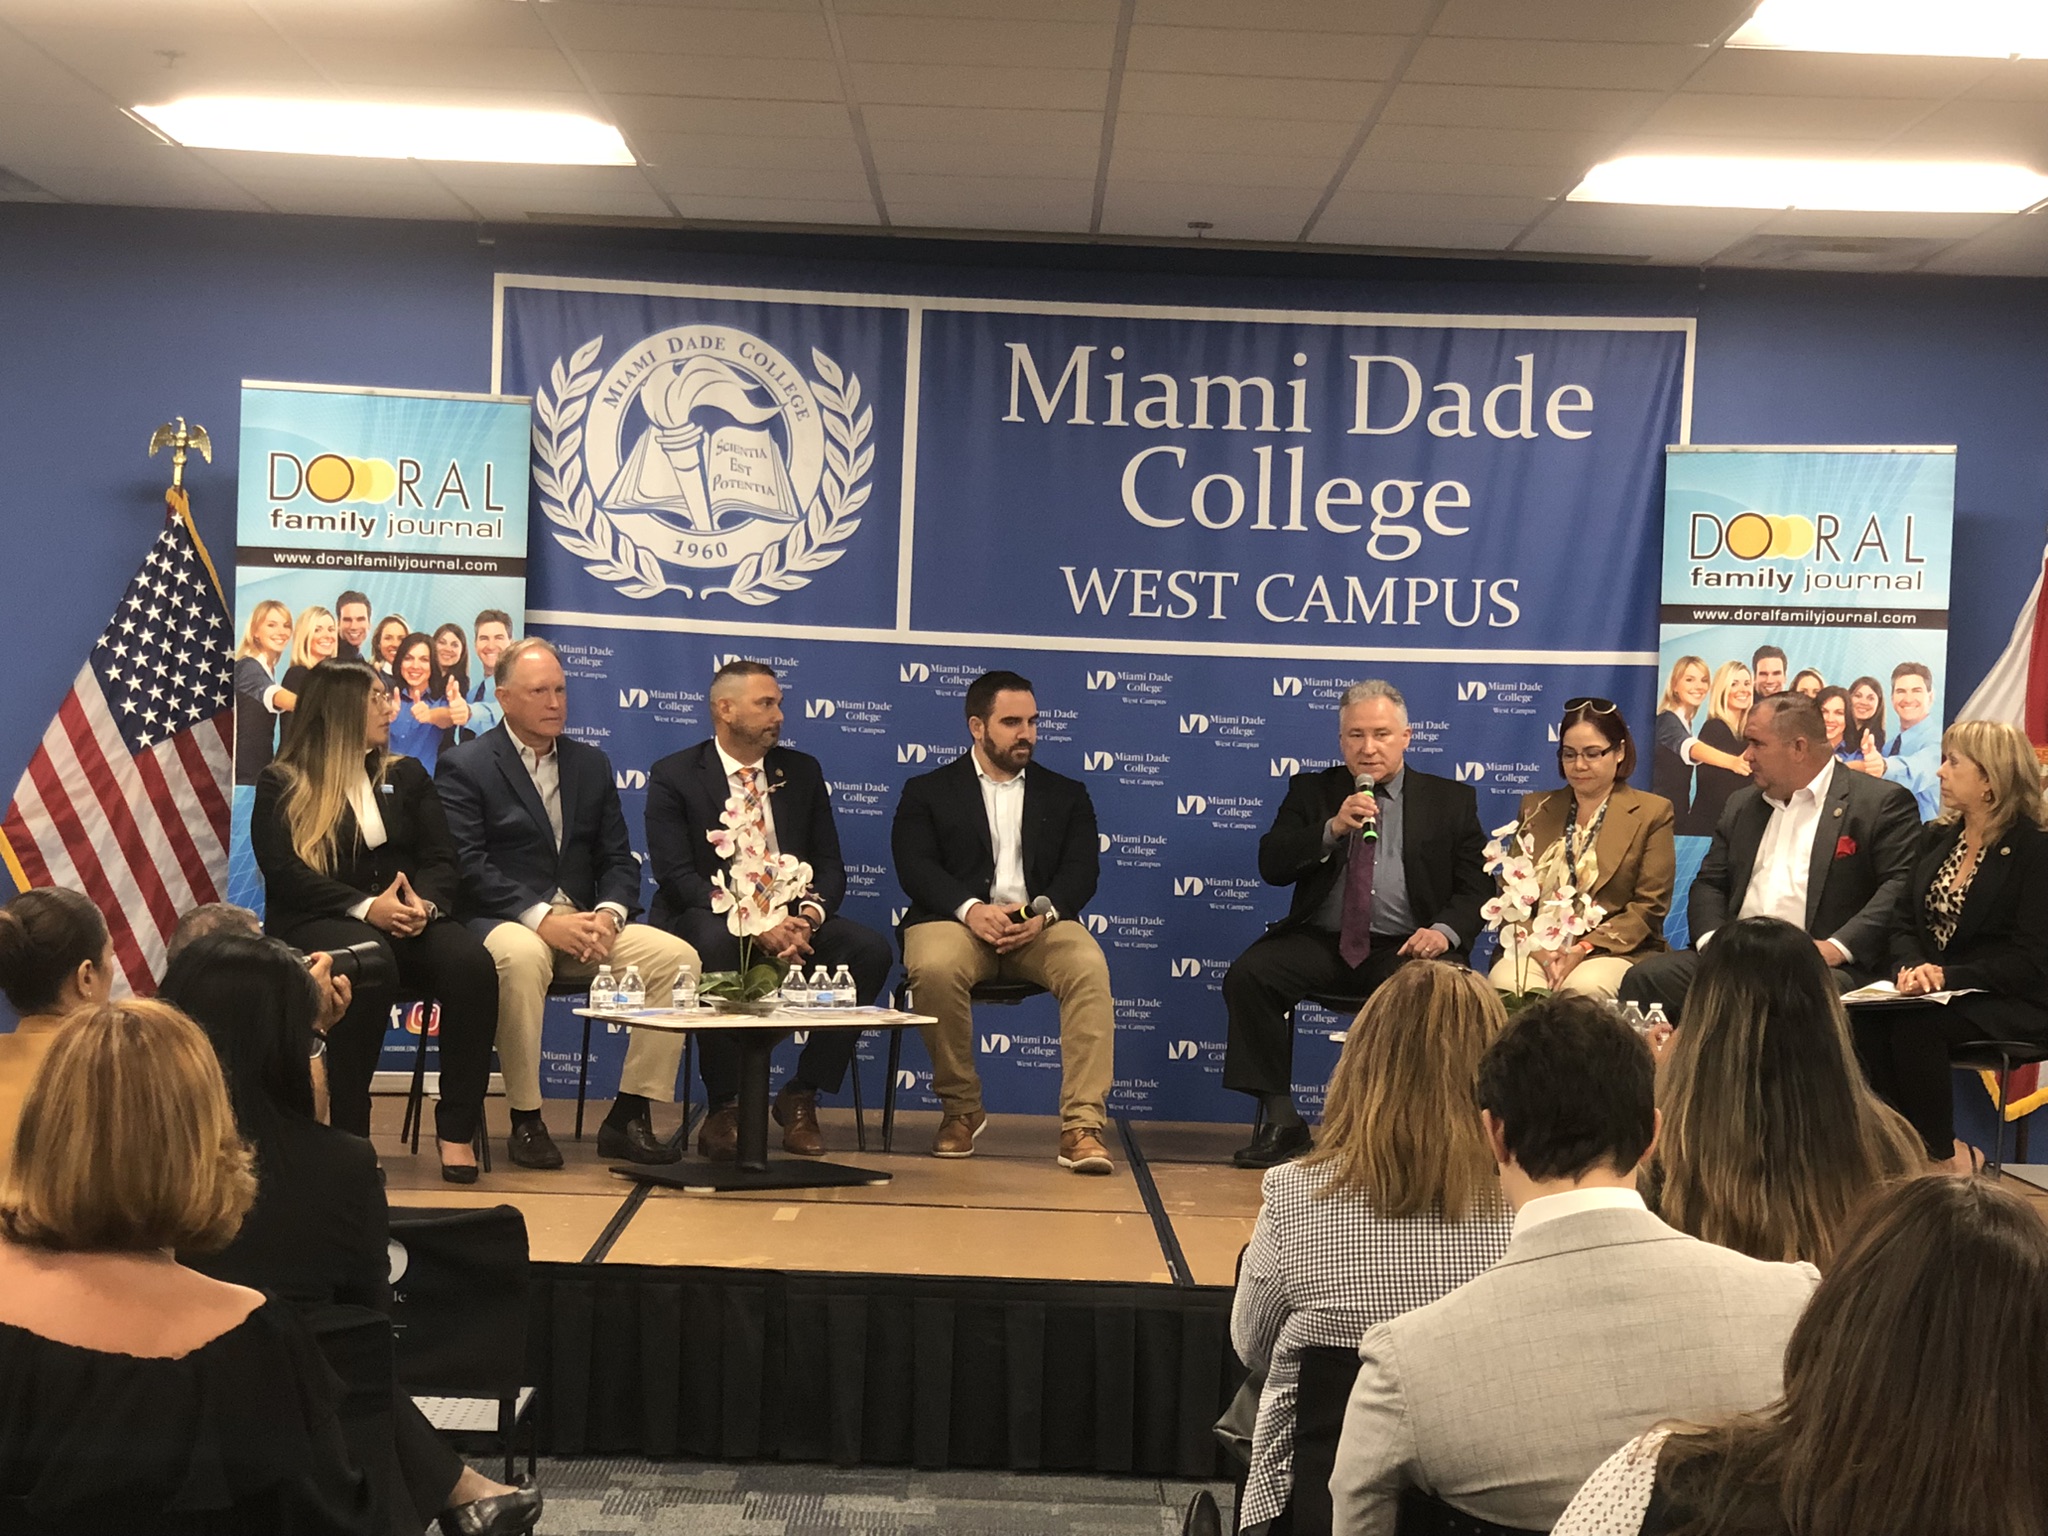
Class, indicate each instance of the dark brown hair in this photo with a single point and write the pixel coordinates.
(46, 935)
(1610, 725)
(1916, 1386)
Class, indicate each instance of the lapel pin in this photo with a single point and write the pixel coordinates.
(1838, 810)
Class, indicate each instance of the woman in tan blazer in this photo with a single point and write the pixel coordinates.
(1606, 838)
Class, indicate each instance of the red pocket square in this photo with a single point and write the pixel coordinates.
(1845, 845)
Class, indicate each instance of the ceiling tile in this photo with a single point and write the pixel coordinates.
(697, 114)
(1249, 96)
(1102, 11)
(1293, 55)
(1946, 226)
(772, 211)
(990, 205)
(1502, 146)
(1784, 117)
(2016, 129)
(2016, 247)
(1594, 21)
(1401, 16)
(962, 85)
(685, 179)
(675, 74)
(745, 36)
(1241, 172)
(984, 125)
(748, 152)
(129, 65)
(398, 24)
(1168, 132)
(1773, 72)
(1502, 106)
(1164, 211)
(1443, 206)
(956, 157)
(2013, 80)
(1608, 66)
(1372, 174)
(371, 64)
(962, 40)
(1357, 228)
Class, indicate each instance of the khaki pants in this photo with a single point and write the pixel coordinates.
(528, 965)
(944, 960)
(1596, 976)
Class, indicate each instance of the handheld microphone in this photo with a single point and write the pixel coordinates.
(1367, 833)
(1040, 906)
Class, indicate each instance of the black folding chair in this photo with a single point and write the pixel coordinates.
(357, 1344)
(2000, 1056)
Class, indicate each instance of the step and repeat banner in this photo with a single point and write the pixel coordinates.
(1192, 529)
(1823, 570)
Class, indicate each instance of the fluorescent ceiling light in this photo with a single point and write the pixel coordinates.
(1866, 186)
(1982, 29)
(384, 131)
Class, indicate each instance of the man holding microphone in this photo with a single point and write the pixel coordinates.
(1386, 862)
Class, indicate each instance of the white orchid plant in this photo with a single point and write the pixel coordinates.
(1540, 908)
(754, 892)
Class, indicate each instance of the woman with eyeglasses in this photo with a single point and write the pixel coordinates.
(1604, 839)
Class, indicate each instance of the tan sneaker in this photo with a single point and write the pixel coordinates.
(957, 1134)
(1081, 1149)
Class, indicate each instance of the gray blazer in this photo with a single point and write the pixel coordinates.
(1501, 1398)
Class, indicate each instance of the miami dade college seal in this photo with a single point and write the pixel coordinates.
(702, 449)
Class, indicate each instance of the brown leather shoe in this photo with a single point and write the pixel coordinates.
(719, 1138)
(1081, 1149)
(957, 1134)
(796, 1111)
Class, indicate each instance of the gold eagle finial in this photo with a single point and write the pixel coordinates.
(174, 436)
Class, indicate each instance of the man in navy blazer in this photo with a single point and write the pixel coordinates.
(998, 856)
(550, 885)
(686, 792)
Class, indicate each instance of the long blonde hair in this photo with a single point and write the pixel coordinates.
(1679, 668)
(1399, 1126)
(302, 635)
(1717, 697)
(324, 757)
(2006, 758)
(258, 615)
(1770, 1135)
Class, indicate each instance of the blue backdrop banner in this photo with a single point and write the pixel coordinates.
(1190, 528)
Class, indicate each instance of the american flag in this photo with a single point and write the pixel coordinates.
(126, 799)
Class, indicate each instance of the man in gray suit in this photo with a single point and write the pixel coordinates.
(1598, 1322)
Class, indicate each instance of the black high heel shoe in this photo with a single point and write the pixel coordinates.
(502, 1514)
(457, 1173)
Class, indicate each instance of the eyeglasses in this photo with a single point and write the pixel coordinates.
(1591, 705)
(1589, 755)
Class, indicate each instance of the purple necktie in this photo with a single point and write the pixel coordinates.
(1354, 929)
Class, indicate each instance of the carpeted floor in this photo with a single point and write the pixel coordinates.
(604, 1496)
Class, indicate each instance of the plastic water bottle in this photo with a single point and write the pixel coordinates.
(818, 990)
(632, 990)
(1632, 1016)
(603, 990)
(684, 994)
(1656, 1017)
(842, 988)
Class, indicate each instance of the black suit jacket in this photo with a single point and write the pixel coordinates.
(415, 840)
(945, 855)
(2001, 940)
(1863, 848)
(1443, 850)
(686, 792)
(503, 842)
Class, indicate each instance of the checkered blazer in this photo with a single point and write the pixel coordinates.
(1321, 1270)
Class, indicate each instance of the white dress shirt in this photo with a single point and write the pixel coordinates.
(1550, 1207)
(1003, 800)
(1784, 858)
(545, 769)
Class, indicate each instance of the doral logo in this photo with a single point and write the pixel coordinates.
(1283, 767)
(1471, 692)
(1751, 536)
(1187, 885)
(329, 478)
(1182, 1050)
(1102, 842)
(630, 778)
(995, 1044)
(912, 672)
(906, 1079)
(1193, 725)
(1098, 762)
(1471, 773)
(1284, 687)
(909, 752)
(1191, 805)
(1187, 965)
(897, 914)
(1096, 923)
(1097, 681)
(702, 449)
(632, 698)
(820, 709)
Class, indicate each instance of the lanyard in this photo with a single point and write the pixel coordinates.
(1574, 847)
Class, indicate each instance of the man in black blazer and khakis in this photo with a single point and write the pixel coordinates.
(1421, 899)
(1806, 841)
(550, 885)
(686, 793)
(998, 856)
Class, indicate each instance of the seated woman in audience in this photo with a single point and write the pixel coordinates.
(1770, 1138)
(353, 849)
(1913, 1398)
(1728, 702)
(55, 958)
(318, 1234)
(1973, 918)
(135, 1394)
(1396, 1206)
(1605, 839)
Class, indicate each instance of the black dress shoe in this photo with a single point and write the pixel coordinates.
(635, 1142)
(1273, 1145)
(530, 1145)
(503, 1514)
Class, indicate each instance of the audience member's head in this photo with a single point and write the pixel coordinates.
(340, 709)
(55, 954)
(1568, 1093)
(257, 1003)
(1916, 1397)
(1770, 1135)
(1989, 767)
(214, 917)
(126, 1143)
(1398, 1125)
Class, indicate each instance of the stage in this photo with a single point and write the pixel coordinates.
(996, 1310)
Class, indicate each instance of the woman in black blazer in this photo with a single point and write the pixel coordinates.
(318, 1235)
(331, 881)
(1974, 918)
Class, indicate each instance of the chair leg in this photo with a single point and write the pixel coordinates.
(860, 1117)
(507, 1426)
(416, 1101)
(1998, 1117)
(582, 1079)
(689, 1054)
(889, 1091)
(2019, 1138)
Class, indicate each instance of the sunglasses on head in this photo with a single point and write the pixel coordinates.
(1591, 705)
